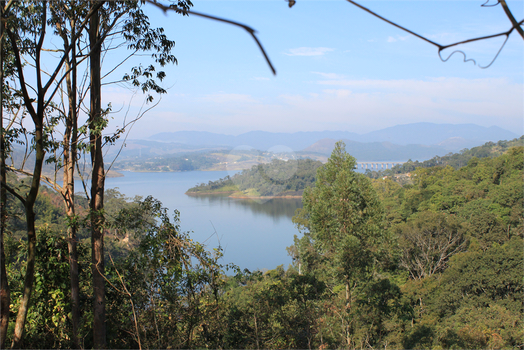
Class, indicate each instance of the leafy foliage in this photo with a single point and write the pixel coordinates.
(49, 323)
(434, 264)
(166, 287)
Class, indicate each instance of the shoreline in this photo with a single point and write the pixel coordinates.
(266, 197)
(231, 195)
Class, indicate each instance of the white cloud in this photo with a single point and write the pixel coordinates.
(397, 38)
(224, 98)
(374, 104)
(338, 92)
(357, 105)
(444, 100)
(309, 51)
(333, 76)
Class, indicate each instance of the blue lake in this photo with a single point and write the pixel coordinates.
(253, 233)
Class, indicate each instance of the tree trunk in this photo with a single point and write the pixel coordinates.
(68, 191)
(31, 233)
(29, 202)
(347, 311)
(97, 187)
(5, 294)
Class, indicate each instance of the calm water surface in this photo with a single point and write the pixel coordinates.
(254, 234)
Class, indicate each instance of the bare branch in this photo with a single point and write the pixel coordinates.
(511, 18)
(13, 192)
(250, 30)
(127, 134)
(55, 186)
(394, 24)
(68, 49)
(516, 26)
(21, 77)
(118, 65)
(126, 291)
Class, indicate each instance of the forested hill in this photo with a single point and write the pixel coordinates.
(278, 178)
(455, 160)
(436, 264)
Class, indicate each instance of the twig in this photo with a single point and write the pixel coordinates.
(46, 179)
(130, 299)
(515, 25)
(511, 18)
(250, 30)
(127, 134)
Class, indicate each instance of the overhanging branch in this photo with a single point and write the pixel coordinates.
(250, 30)
(515, 25)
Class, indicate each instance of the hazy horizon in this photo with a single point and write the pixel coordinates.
(293, 132)
(338, 68)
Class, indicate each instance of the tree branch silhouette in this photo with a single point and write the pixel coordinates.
(250, 30)
(515, 26)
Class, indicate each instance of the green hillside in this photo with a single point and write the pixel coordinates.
(455, 160)
(435, 264)
(278, 178)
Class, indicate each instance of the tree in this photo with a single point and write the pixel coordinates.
(344, 218)
(26, 28)
(343, 215)
(26, 31)
(139, 37)
(165, 292)
(479, 297)
(429, 239)
(5, 294)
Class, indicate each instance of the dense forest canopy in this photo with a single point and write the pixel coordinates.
(432, 264)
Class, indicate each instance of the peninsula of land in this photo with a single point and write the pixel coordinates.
(277, 179)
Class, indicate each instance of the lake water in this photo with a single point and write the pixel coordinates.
(254, 234)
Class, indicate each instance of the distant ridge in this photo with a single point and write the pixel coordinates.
(448, 137)
(433, 134)
(261, 140)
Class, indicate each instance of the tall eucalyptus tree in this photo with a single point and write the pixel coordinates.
(27, 30)
(5, 295)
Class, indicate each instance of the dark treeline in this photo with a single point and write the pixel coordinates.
(277, 178)
(434, 264)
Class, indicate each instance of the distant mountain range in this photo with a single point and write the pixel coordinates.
(447, 136)
(418, 141)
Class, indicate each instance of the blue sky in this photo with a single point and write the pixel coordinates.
(338, 68)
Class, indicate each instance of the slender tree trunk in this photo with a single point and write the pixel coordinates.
(97, 187)
(31, 233)
(256, 331)
(5, 294)
(347, 311)
(29, 203)
(70, 143)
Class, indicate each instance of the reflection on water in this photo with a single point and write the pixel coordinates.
(276, 208)
(254, 234)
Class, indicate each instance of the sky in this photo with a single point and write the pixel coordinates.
(338, 68)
